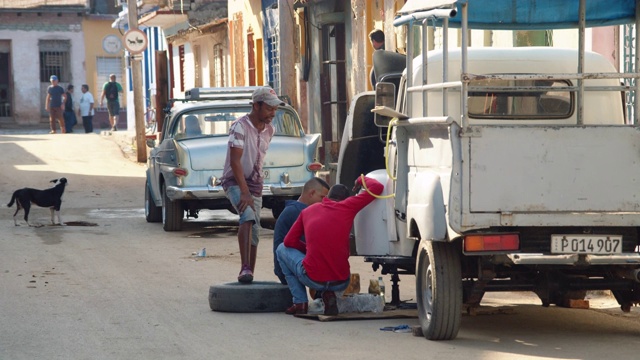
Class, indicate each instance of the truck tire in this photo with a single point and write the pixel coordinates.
(172, 213)
(152, 213)
(259, 296)
(439, 290)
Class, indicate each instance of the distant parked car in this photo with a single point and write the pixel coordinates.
(184, 167)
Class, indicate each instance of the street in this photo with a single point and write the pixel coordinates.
(125, 289)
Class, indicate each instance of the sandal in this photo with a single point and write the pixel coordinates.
(246, 275)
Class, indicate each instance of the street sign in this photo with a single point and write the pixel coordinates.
(135, 41)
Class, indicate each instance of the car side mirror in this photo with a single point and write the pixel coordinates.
(151, 143)
(385, 100)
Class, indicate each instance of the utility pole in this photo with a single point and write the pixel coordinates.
(136, 78)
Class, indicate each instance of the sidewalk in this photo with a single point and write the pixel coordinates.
(126, 140)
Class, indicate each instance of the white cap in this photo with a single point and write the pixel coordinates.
(266, 95)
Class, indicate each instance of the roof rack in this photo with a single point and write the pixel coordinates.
(220, 93)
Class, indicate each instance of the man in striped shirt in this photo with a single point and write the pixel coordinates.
(242, 178)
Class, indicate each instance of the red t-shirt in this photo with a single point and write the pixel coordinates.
(326, 227)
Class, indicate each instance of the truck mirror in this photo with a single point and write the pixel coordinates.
(385, 99)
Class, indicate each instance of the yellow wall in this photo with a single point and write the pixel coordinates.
(95, 30)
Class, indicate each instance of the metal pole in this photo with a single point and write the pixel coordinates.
(581, 48)
(136, 78)
(464, 96)
(445, 64)
(636, 68)
(425, 63)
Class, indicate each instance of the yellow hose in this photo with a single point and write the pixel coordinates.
(392, 123)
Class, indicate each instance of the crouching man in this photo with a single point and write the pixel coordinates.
(321, 262)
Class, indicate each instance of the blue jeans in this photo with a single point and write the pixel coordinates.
(69, 120)
(233, 194)
(291, 263)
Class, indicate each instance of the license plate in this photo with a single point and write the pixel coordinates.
(586, 244)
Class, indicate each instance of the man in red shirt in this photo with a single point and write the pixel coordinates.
(322, 262)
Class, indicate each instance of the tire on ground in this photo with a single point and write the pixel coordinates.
(259, 296)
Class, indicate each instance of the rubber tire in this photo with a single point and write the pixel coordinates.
(172, 213)
(439, 290)
(152, 213)
(259, 296)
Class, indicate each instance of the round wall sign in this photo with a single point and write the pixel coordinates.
(135, 41)
(111, 44)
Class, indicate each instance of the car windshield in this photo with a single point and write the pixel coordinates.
(217, 121)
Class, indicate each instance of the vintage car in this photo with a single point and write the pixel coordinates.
(186, 163)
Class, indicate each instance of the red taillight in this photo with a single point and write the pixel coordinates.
(179, 172)
(315, 166)
(491, 242)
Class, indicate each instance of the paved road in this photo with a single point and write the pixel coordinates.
(125, 289)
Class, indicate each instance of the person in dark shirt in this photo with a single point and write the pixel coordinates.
(54, 104)
(313, 191)
(377, 42)
(69, 115)
(321, 262)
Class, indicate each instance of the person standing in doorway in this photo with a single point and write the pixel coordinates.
(54, 104)
(112, 90)
(69, 115)
(86, 109)
(377, 42)
(242, 177)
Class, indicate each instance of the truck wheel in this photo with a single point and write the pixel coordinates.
(172, 213)
(152, 213)
(439, 290)
(259, 296)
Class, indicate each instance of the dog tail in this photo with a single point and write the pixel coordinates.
(13, 198)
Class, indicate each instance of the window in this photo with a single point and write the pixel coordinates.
(196, 65)
(217, 121)
(251, 59)
(55, 60)
(274, 60)
(509, 99)
(218, 66)
(181, 55)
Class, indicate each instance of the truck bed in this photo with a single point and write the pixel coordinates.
(551, 174)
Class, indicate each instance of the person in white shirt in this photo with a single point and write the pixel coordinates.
(86, 109)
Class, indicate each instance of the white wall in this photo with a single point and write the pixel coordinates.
(28, 99)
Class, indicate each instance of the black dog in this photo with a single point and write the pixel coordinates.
(51, 198)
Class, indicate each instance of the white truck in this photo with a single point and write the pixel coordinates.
(512, 169)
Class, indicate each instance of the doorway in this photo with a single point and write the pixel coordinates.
(6, 90)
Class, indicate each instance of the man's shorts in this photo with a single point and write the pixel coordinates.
(113, 107)
(233, 194)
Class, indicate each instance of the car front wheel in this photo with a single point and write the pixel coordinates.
(172, 213)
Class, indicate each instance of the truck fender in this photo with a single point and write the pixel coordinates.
(426, 208)
(374, 226)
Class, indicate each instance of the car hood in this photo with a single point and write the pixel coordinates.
(210, 153)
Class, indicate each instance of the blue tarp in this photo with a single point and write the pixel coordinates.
(531, 14)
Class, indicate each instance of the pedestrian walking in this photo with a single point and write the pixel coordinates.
(111, 90)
